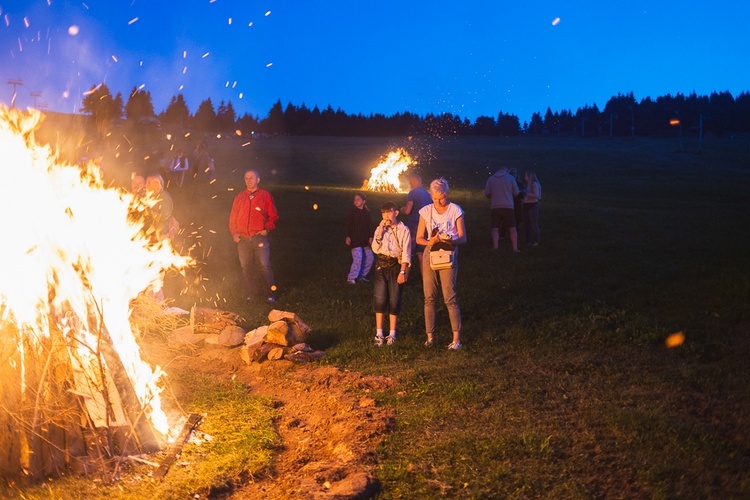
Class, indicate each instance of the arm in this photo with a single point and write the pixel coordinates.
(461, 229)
(272, 215)
(406, 210)
(420, 232)
(233, 226)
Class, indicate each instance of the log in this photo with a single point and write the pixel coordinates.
(278, 333)
(277, 315)
(276, 353)
(192, 422)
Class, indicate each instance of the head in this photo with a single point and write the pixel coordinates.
(439, 190)
(154, 184)
(530, 176)
(513, 172)
(252, 179)
(137, 183)
(389, 211)
(415, 181)
(360, 200)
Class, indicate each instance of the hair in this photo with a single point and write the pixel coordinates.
(364, 198)
(532, 175)
(415, 175)
(158, 179)
(388, 205)
(440, 186)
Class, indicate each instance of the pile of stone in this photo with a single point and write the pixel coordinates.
(285, 337)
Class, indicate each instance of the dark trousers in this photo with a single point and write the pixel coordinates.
(255, 252)
(387, 290)
(531, 222)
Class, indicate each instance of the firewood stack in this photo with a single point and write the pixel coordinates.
(285, 337)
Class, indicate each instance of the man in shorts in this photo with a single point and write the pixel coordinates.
(501, 189)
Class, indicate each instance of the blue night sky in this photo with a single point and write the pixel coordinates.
(469, 58)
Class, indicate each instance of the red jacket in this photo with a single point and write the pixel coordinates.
(252, 213)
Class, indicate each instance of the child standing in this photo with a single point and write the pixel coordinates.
(359, 239)
(392, 245)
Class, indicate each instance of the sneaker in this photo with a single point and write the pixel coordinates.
(271, 299)
(390, 340)
(454, 346)
(379, 340)
(351, 282)
(363, 280)
(428, 343)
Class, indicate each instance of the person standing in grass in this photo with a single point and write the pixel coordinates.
(253, 216)
(392, 244)
(359, 239)
(444, 222)
(531, 208)
(417, 198)
(501, 189)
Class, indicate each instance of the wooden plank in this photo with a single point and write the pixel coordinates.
(192, 422)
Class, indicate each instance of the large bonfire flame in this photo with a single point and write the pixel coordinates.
(71, 261)
(384, 176)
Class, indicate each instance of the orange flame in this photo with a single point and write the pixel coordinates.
(385, 175)
(71, 249)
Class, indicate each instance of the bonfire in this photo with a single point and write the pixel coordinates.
(74, 389)
(384, 177)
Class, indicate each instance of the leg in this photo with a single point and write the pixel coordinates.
(262, 251)
(245, 253)
(514, 238)
(495, 238)
(369, 259)
(379, 320)
(430, 286)
(356, 266)
(450, 297)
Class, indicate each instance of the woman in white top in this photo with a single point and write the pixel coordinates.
(441, 221)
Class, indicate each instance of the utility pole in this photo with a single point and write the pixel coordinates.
(35, 95)
(15, 84)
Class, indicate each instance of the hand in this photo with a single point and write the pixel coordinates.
(348, 241)
(263, 232)
(236, 238)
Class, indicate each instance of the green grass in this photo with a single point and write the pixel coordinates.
(565, 387)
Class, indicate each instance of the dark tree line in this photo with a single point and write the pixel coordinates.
(719, 113)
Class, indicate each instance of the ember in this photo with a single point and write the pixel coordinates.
(72, 381)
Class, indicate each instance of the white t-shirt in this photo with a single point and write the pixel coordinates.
(445, 222)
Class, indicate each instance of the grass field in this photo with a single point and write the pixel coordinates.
(565, 387)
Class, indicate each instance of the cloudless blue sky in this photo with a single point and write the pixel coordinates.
(469, 57)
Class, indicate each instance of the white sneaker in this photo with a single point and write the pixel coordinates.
(379, 340)
(454, 346)
(390, 340)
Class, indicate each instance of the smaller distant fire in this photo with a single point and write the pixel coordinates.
(384, 177)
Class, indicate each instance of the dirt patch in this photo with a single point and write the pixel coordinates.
(328, 424)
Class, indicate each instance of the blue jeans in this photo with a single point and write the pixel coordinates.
(362, 259)
(531, 222)
(387, 290)
(447, 283)
(255, 251)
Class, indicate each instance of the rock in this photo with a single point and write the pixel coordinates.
(303, 357)
(302, 347)
(185, 337)
(355, 485)
(232, 336)
(211, 341)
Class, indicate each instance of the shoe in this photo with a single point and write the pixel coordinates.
(363, 280)
(534, 245)
(516, 251)
(390, 340)
(351, 282)
(454, 346)
(428, 343)
(379, 340)
(272, 300)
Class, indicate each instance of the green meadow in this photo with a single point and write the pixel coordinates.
(565, 387)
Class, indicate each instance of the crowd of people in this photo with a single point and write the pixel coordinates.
(429, 239)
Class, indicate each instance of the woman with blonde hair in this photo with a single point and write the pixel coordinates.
(441, 223)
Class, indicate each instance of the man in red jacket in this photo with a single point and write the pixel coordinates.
(253, 216)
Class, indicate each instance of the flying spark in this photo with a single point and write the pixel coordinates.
(73, 30)
(134, 20)
(205, 55)
(556, 21)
